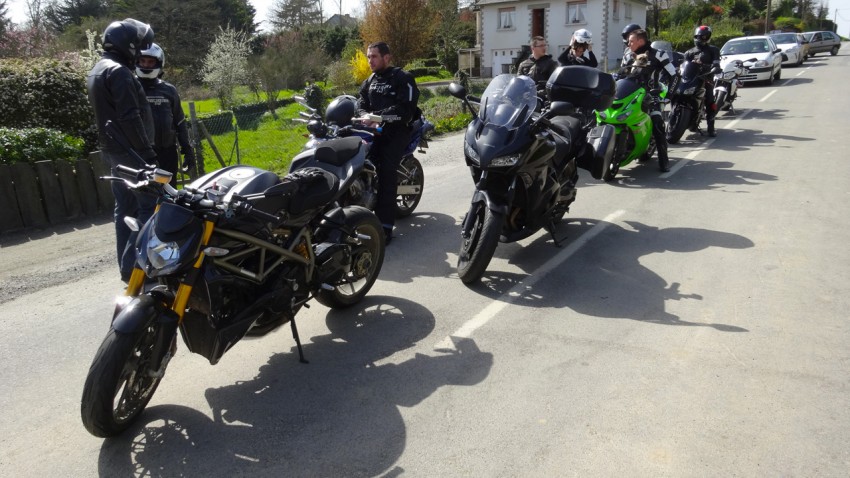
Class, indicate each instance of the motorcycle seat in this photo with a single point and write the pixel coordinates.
(302, 190)
(338, 151)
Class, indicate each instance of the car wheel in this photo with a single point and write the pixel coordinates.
(800, 59)
(812, 54)
(778, 75)
(834, 51)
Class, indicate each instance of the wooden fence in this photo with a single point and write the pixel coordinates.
(48, 193)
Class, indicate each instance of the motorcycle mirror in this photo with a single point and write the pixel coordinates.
(457, 90)
(559, 108)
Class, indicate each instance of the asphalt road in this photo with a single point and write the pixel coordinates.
(693, 324)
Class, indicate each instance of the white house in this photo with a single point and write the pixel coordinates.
(505, 27)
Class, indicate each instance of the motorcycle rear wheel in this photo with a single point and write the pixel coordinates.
(409, 174)
(477, 251)
(679, 121)
(650, 150)
(120, 384)
(367, 257)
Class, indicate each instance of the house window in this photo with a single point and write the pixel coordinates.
(628, 7)
(615, 11)
(575, 12)
(507, 18)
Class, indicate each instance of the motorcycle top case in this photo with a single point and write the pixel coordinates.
(583, 86)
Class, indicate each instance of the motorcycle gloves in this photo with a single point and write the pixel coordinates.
(188, 160)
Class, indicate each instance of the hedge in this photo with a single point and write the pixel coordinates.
(21, 145)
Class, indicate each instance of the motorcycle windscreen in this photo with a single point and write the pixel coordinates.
(508, 101)
(625, 88)
(690, 70)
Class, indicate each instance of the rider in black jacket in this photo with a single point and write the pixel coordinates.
(116, 95)
(168, 118)
(391, 93)
(651, 66)
(579, 52)
(708, 57)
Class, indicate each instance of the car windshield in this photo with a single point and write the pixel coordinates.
(742, 47)
(509, 100)
(785, 38)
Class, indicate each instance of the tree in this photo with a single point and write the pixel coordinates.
(450, 32)
(5, 21)
(226, 65)
(62, 14)
(239, 14)
(404, 24)
(296, 14)
(283, 64)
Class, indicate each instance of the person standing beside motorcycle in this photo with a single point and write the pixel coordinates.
(580, 51)
(627, 54)
(651, 67)
(708, 57)
(539, 66)
(117, 96)
(168, 118)
(391, 93)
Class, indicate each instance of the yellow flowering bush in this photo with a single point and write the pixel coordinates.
(360, 67)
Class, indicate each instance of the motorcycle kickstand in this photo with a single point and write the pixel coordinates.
(297, 341)
(551, 229)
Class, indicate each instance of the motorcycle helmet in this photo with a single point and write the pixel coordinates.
(154, 52)
(341, 110)
(702, 35)
(628, 31)
(127, 38)
(582, 36)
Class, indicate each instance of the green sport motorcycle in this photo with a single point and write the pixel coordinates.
(625, 132)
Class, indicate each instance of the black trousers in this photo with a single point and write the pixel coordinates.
(386, 152)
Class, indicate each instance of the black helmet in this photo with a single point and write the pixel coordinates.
(628, 31)
(701, 35)
(341, 110)
(127, 38)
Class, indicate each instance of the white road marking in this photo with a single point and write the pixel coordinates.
(768, 96)
(469, 327)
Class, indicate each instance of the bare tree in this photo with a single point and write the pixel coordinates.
(405, 25)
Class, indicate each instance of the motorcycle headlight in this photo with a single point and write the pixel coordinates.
(163, 256)
(761, 64)
(505, 161)
(622, 117)
(729, 75)
(471, 153)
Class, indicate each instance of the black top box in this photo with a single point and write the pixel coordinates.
(583, 86)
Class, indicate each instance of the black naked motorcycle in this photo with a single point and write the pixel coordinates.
(338, 123)
(686, 101)
(237, 252)
(523, 162)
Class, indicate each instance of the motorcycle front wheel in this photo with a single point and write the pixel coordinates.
(409, 174)
(477, 250)
(367, 257)
(120, 382)
(679, 121)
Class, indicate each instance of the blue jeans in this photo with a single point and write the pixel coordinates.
(127, 203)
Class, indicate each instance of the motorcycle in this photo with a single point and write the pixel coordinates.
(364, 189)
(237, 252)
(726, 83)
(686, 101)
(628, 125)
(523, 163)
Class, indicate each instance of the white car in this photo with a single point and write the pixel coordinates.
(768, 65)
(792, 46)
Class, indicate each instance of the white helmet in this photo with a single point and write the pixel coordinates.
(582, 36)
(154, 52)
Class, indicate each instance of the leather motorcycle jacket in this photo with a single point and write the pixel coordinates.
(116, 94)
(168, 118)
(659, 67)
(392, 94)
(708, 56)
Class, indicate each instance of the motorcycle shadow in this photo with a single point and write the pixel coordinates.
(337, 416)
(419, 247)
(696, 176)
(607, 278)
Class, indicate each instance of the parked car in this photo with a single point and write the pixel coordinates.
(768, 65)
(792, 46)
(820, 42)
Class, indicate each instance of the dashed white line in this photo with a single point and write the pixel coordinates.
(469, 327)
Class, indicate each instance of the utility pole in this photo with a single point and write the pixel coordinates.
(767, 19)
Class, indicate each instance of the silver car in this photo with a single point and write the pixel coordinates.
(820, 42)
(792, 46)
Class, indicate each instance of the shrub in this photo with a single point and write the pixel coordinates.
(46, 93)
(36, 144)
